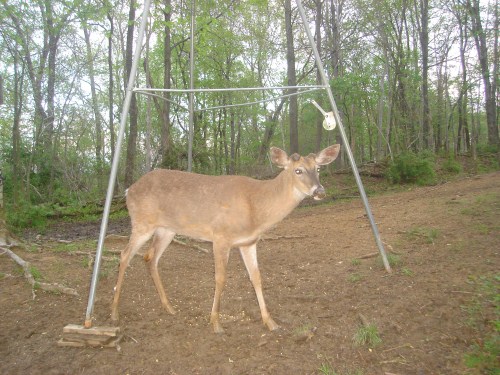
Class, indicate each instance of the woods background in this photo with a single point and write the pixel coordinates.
(408, 76)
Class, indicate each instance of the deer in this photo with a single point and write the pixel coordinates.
(230, 211)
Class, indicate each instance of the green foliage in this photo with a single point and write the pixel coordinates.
(450, 165)
(413, 168)
(488, 158)
(367, 335)
(27, 216)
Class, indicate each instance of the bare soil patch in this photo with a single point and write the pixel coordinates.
(446, 237)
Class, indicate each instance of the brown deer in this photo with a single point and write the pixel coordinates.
(229, 211)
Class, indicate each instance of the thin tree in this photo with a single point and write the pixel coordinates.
(132, 135)
(109, 15)
(318, 34)
(95, 106)
(166, 142)
(423, 26)
(293, 111)
(489, 86)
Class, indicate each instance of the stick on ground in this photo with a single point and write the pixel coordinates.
(26, 266)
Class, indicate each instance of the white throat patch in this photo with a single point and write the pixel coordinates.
(298, 194)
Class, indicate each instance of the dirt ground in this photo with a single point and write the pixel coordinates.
(443, 239)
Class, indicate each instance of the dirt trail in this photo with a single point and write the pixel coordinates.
(445, 239)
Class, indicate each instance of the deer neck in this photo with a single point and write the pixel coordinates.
(278, 199)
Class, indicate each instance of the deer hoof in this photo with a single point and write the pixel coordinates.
(218, 328)
(115, 317)
(271, 325)
(170, 309)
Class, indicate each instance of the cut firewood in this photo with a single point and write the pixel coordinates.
(79, 336)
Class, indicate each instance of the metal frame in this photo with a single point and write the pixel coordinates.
(191, 91)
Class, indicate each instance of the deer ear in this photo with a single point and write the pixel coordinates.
(328, 155)
(279, 157)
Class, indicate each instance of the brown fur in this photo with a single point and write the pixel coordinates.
(229, 211)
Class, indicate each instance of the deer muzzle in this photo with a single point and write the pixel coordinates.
(319, 193)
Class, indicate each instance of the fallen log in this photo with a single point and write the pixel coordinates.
(26, 266)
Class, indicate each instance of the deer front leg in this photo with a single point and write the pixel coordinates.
(161, 240)
(249, 255)
(137, 239)
(221, 256)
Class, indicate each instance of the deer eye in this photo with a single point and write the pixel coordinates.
(298, 171)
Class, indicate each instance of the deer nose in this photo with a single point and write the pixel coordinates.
(319, 193)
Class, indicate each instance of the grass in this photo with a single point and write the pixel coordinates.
(355, 277)
(303, 329)
(367, 336)
(423, 234)
(35, 273)
(407, 272)
(488, 203)
(393, 259)
(483, 316)
(327, 369)
(75, 246)
(356, 262)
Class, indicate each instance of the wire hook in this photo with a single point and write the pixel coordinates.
(329, 122)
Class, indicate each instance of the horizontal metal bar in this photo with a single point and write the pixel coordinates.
(257, 102)
(146, 89)
(163, 98)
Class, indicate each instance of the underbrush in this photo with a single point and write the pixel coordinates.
(424, 168)
(413, 168)
(40, 216)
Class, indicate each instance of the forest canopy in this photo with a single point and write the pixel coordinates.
(407, 76)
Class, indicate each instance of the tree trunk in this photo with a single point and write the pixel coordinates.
(319, 119)
(232, 146)
(16, 133)
(147, 145)
(95, 107)
(292, 79)
(428, 138)
(482, 52)
(167, 63)
(132, 136)
(111, 83)
(1, 89)
(333, 33)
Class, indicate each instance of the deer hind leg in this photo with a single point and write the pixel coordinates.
(161, 240)
(137, 239)
(221, 256)
(249, 255)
